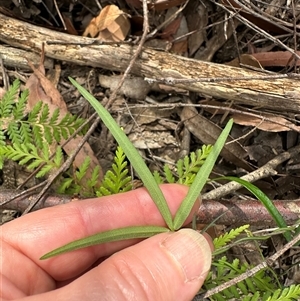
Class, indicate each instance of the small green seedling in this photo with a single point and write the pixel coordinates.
(149, 182)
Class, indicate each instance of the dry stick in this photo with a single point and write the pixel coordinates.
(268, 262)
(112, 97)
(262, 172)
(173, 80)
(60, 16)
(156, 64)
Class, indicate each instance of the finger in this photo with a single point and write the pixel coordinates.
(39, 232)
(168, 266)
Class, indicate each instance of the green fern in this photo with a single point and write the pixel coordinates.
(224, 271)
(116, 180)
(9, 99)
(27, 138)
(291, 293)
(29, 155)
(186, 168)
(74, 182)
(38, 127)
(226, 238)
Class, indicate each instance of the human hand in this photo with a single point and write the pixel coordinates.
(167, 266)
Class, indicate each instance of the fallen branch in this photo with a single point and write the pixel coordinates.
(233, 213)
(275, 93)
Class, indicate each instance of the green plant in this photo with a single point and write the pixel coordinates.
(28, 137)
(149, 182)
(18, 142)
(116, 179)
(223, 269)
(186, 168)
(278, 218)
(264, 285)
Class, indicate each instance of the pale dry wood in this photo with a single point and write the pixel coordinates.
(276, 94)
(17, 58)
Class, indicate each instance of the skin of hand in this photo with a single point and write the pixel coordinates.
(168, 266)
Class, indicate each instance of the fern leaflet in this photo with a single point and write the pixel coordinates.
(226, 238)
(117, 179)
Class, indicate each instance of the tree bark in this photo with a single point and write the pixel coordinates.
(275, 94)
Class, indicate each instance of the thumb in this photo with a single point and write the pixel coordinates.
(169, 266)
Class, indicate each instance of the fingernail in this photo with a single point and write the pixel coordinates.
(191, 251)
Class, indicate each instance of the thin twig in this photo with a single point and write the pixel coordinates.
(266, 170)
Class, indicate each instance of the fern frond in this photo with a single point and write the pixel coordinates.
(169, 175)
(226, 238)
(25, 132)
(76, 182)
(44, 115)
(116, 180)
(188, 167)
(224, 271)
(29, 155)
(80, 173)
(26, 138)
(290, 293)
(14, 133)
(93, 181)
(64, 185)
(47, 126)
(34, 113)
(9, 99)
(2, 135)
(20, 106)
(158, 178)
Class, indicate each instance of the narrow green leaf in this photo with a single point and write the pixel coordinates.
(265, 201)
(107, 236)
(201, 178)
(131, 153)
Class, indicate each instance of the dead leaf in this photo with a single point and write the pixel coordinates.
(273, 124)
(197, 19)
(245, 59)
(176, 29)
(111, 24)
(208, 133)
(170, 30)
(41, 88)
(276, 58)
(69, 24)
